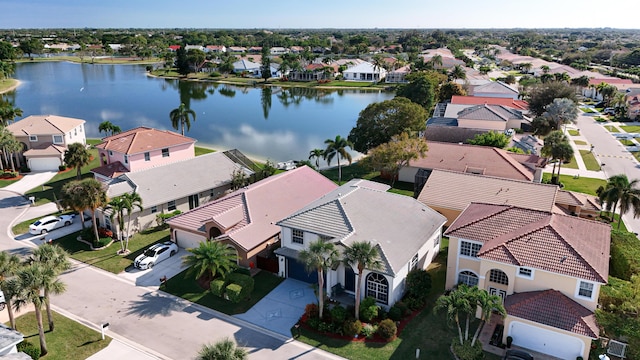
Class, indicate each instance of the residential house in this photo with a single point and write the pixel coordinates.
(278, 50)
(245, 66)
(237, 49)
(215, 49)
(246, 218)
(592, 92)
(311, 72)
(450, 192)
(255, 50)
(633, 103)
(364, 71)
(398, 76)
(140, 148)
(405, 233)
(9, 339)
(194, 47)
(446, 56)
(492, 117)
(174, 48)
(482, 100)
(496, 89)
(182, 185)
(45, 138)
(548, 268)
(296, 49)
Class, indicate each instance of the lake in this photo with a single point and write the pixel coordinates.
(265, 123)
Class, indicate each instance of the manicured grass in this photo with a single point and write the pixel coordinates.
(587, 110)
(600, 119)
(201, 150)
(185, 286)
(626, 142)
(589, 160)
(108, 259)
(4, 183)
(636, 154)
(353, 171)
(579, 142)
(571, 164)
(612, 129)
(581, 184)
(631, 128)
(6, 83)
(70, 340)
(573, 132)
(50, 191)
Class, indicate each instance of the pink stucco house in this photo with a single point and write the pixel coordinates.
(141, 148)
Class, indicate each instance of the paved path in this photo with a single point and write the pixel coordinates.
(30, 181)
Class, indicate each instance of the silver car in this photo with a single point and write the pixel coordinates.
(155, 254)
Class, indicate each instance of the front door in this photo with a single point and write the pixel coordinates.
(501, 293)
(349, 279)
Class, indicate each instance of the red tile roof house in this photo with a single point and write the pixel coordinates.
(45, 138)
(481, 100)
(140, 148)
(547, 267)
(246, 219)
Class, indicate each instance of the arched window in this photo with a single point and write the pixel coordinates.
(498, 276)
(467, 277)
(378, 287)
(214, 232)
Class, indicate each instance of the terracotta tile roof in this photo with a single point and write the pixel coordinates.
(552, 308)
(143, 139)
(44, 125)
(543, 240)
(609, 81)
(111, 170)
(264, 203)
(44, 151)
(472, 158)
(479, 100)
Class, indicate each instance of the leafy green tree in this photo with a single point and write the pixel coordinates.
(265, 69)
(561, 111)
(8, 112)
(379, 122)
(181, 117)
(448, 90)
(607, 91)
(621, 192)
(582, 81)
(224, 349)
(7, 52)
(362, 255)
(211, 258)
(337, 148)
(457, 73)
(182, 62)
(316, 154)
(77, 156)
(72, 196)
(56, 259)
(196, 59)
(422, 88)
(30, 47)
(9, 265)
(543, 94)
(319, 256)
(109, 128)
(87, 194)
(491, 138)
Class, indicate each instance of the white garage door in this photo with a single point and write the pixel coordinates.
(44, 164)
(188, 240)
(545, 341)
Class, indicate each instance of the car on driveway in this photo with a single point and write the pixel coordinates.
(49, 223)
(517, 355)
(155, 254)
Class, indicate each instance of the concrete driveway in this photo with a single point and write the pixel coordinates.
(151, 277)
(282, 307)
(30, 180)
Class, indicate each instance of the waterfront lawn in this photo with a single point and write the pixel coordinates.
(631, 128)
(202, 150)
(581, 184)
(70, 341)
(353, 171)
(185, 286)
(589, 160)
(50, 191)
(6, 83)
(108, 259)
(87, 60)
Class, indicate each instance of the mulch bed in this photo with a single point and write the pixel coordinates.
(11, 178)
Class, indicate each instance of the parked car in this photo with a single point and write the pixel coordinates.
(609, 111)
(3, 302)
(517, 355)
(154, 254)
(49, 223)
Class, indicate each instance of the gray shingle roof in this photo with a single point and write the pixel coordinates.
(9, 337)
(490, 112)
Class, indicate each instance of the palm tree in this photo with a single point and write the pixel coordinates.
(211, 258)
(181, 117)
(563, 152)
(363, 255)
(545, 69)
(453, 304)
(337, 146)
(87, 194)
(319, 256)
(73, 197)
(488, 304)
(436, 61)
(56, 259)
(555, 146)
(562, 111)
(621, 192)
(132, 201)
(9, 265)
(77, 156)
(9, 144)
(457, 73)
(8, 113)
(224, 349)
(117, 206)
(378, 63)
(109, 128)
(317, 154)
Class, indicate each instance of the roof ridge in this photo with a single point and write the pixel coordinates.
(385, 258)
(46, 118)
(505, 155)
(514, 235)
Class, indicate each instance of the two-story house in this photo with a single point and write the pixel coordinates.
(140, 148)
(405, 233)
(45, 138)
(547, 267)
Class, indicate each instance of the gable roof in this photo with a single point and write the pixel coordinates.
(262, 203)
(244, 64)
(362, 210)
(365, 67)
(45, 150)
(490, 112)
(161, 184)
(610, 81)
(519, 236)
(9, 337)
(479, 100)
(553, 308)
(44, 125)
(473, 158)
(111, 170)
(143, 139)
(495, 87)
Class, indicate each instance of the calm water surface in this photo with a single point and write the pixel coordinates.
(273, 123)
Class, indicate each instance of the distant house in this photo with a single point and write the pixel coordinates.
(592, 92)
(194, 47)
(215, 49)
(296, 49)
(492, 117)
(496, 89)
(244, 66)
(398, 76)
(140, 148)
(364, 72)
(481, 100)
(405, 233)
(237, 49)
(278, 50)
(633, 103)
(45, 138)
(174, 48)
(311, 72)
(255, 50)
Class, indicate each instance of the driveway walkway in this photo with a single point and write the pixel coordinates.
(31, 180)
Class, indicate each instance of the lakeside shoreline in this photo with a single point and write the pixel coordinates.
(15, 85)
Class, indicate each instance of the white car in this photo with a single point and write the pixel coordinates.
(155, 254)
(49, 223)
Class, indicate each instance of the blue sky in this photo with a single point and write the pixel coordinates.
(276, 14)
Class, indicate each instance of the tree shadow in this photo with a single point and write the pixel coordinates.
(154, 304)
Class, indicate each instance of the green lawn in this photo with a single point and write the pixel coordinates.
(626, 142)
(612, 129)
(571, 164)
(589, 160)
(23, 227)
(581, 184)
(4, 183)
(573, 132)
(631, 128)
(70, 341)
(587, 110)
(185, 286)
(580, 142)
(202, 150)
(108, 259)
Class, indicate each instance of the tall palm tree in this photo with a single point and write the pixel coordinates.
(211, 258)
(337, 148)
(436, 61)
(319, 256)
(132, 202)
(556, 147)
(488, 304)
(73, 197)
(181, 117)
(453, 304)
(317, 154)
(8, 112)
(117, 207)
(457, 73)
(562, 111)
(77, 156)
(363, 255)
(9, 144)
(224, 349)
(87, 194)
(56, 259)
(109, 128)
(9, 265)
(621, 192)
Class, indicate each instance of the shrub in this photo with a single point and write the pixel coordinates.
(352, 327)
(25, 169)
(29, 349)
(62, 168)
(368, 330)
(338, 314)
(466, 352)
(313, 323)
(403, 308)
(215, 74)
(395, 313)
(625, 255)
(217, 287)
(311, 311)
(414, 303)
(325, 327)
(387, 329)
(234, 292)
(418, 284)
(243, 271)
(368, 309)
(104, 233)
(245, 281)
(87, 234)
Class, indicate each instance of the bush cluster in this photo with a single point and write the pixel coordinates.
(235, 285)
(8, 174)
(352, 327)
(466, 352)
(368, 309)
(387, 329)
(29, 349)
